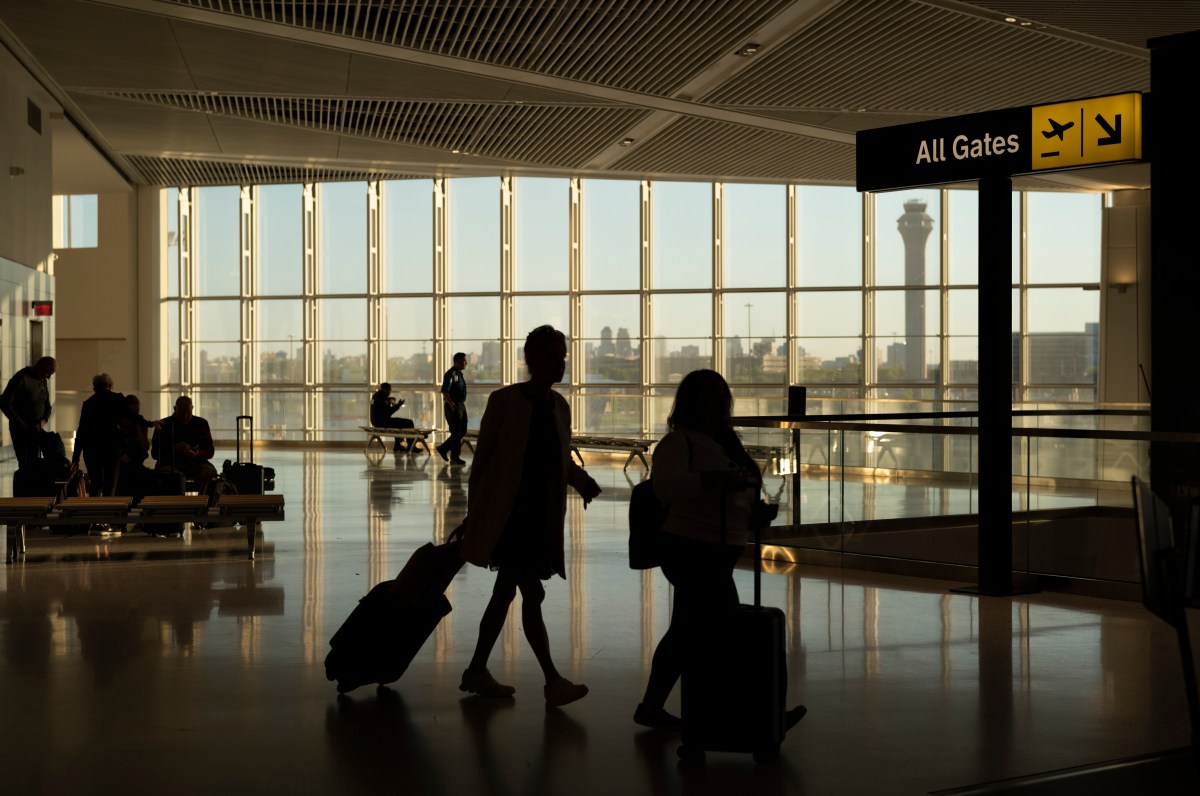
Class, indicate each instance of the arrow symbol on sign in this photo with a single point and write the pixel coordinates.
(1114, 133)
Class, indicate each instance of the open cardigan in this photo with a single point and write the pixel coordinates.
(496, 474)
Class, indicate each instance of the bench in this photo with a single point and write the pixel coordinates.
(634, 447)
(249, 510)
(376, 434)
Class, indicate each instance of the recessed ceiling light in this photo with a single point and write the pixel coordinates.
(627, 142)
(1010, 19)
(749, 49)
(1026, 24)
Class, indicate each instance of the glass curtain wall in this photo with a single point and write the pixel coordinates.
(292, 302)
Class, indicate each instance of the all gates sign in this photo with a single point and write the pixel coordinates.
(1001, 143)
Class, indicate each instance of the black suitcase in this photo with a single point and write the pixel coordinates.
(734, 686)
(41, 477)
(389, 626)
(163, 482)
(249, 478)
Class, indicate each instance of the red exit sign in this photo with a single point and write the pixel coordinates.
(42, 309)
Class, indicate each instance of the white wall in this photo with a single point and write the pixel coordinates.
(25, 221)
(1125, 299)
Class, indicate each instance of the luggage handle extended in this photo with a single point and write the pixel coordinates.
(250, 442)
(757, 555)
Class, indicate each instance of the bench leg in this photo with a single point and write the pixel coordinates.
(627, 461)
(641, 456)
(251, 527)
(375, 438)
(14, 544)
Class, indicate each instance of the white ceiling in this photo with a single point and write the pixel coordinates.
(218, 91)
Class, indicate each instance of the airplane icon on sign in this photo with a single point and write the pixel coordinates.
(1057, 129)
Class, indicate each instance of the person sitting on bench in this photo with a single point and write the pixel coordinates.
(185, 443)
(383, 406)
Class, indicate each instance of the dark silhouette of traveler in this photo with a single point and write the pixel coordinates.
(185, 443)
(99, 438)
(701, 472)
(134, 478)
(26, 404)
(516, 505)
(383, 406)
(454, 400)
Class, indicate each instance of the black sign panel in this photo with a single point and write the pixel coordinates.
(956, 149)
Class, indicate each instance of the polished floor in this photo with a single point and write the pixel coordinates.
(148, 665)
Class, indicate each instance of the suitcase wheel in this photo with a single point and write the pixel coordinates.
(690, 753)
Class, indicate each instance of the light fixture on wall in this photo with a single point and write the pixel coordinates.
(1120, 287)
(15, 171)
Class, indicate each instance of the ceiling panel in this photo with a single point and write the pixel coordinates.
(730, 151)
(255, 139)
(183, 171)
(225, 60)
(886, 56)
(654, 46)
(131, 127)
(1115, 20)
(83, 44)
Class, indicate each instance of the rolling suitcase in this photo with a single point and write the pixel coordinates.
(735, 682)
(389, 626)
(249, 478)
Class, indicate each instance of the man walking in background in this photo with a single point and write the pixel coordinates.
(454, 398)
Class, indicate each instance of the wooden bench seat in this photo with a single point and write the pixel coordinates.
(376, 434)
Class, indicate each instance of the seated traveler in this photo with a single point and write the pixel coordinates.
(185, 443)
(383, 406)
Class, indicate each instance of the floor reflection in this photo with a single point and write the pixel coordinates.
(147, 661)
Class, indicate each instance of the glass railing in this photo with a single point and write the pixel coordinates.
(906, 488)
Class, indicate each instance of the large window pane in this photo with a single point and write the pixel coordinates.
(220, 409)
(343, 234)
(281, 341)
(343, 361)
(682, 341)
(681, 242)
(611, 327)
(282, 415)
(217, 253)
(1064, 237)
(755, 238)
(612, 411)
(964, 360)
(474, 229)
(343, 340)
(342, 412)
(760, 356)
(914, 257)
(534, 311)
(343, 319)
(281, 240)
(963, 237)
(218, 320)
(1063, 336)
(475, 330)
(829, 360)
(829, 236)
(907, 347)
(220, 363)
(612, 234)
(829, 313)
(409, 345)
(542, 220)
(408, 236)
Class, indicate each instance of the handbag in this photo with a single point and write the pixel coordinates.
(647, 515)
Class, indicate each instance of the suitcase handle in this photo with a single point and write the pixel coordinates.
(250, 444)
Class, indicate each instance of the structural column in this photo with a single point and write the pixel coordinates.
(995, 385)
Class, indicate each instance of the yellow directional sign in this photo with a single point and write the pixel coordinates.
(1098, 130)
